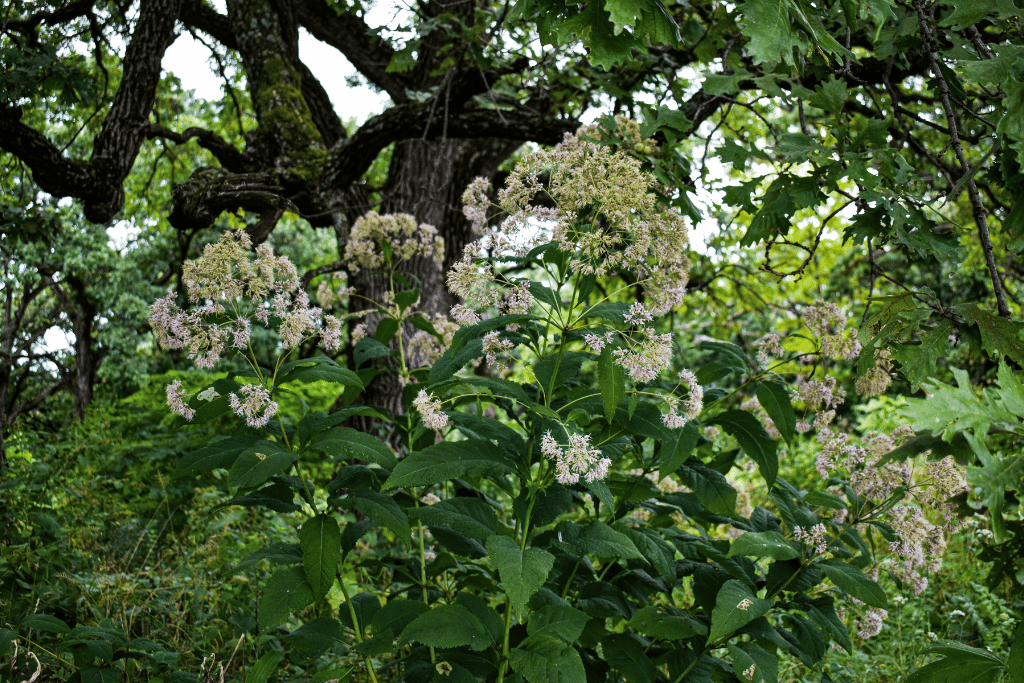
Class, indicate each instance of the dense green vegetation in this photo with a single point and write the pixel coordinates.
(456, 394)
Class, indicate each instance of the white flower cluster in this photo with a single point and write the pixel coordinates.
(692, 406)
(406, 239)
(817, 537)
(578, 459)
(430, 410)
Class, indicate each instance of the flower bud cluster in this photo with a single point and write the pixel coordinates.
(829, 325)
(692, 406)
(429, 408)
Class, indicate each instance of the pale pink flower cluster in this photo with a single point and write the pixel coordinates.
(870, 624)
(643, 362)
(423, 348)
(628, 229)
(406, 239)
(597, 342)
(494, 344)
(176, 400)
(254, 404)
(225, 280)
(821, 318)
(769, 344)
(577, 459)
(429, 408)
(692, 406)
(817, 537)
(638, 314)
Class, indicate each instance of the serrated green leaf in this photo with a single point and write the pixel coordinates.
(611, 380)
(220, 454)
(447, 626)
(258, 463)
(265, 667)
(522, 571)
(769, 544)
(596, 539)
(561, 621)
(710, 486)
(1015, 662)
(345, 443)
(627, 656)
(753, 439)
(656, 623)
(445, 461)
(318, 421)
(735, 607)
(854, 582)
(381, 508)
(766, 24)
(774, 398)
(285, 591)
(320, 540)
(396, 615)
(318, 369)
(44, 622)
(318, 634)
(999, 336)
(545, 659)
(470, 517)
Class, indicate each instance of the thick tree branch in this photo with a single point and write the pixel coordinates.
(229, 157)
(351, 36)
(350, 158)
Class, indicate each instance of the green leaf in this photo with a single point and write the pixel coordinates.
(368, 348)
(596, 539)
(825, 500)
(961, 664)
(611, 380)
(396, 615)
(258, 463)
(381, 508)
(735, 607)
(44, 622)
(751, 663)
(627, 656)
(830, 96)
(220, 454)
(286, 590)
(754, 441)
(470, 517)
(446, 461)
(854, 582)
(265, 667)
(318, 421)
(318, 369)
(999, 336)
(561, 621)
(710, 486)
(318, 634)
(545, 659)
(769, 544)
(447, 626)
(774, 398)
(568, 364)
(345, 443)
(522, 572)
(320, 540)
(1015, 662)
(766, 23)
(655, 623)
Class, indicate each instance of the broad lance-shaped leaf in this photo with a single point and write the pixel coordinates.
(753, 439)
(853, 581)
(770, 544)
(560, 621)
(545, 659)
(522, 571)
(219, 454)
(345, 443)
(612, 380)
(629, 657)
(320, 540)
(446, 461)
(258, 463)
(381, 508)
(470, 517)
(735, 607)
(264, 668)
(668, 625)
(774, 398)
(447, 626)
(287, 590)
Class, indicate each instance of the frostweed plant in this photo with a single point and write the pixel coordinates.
(568, 514)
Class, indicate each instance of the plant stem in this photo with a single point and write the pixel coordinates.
(356, 627)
